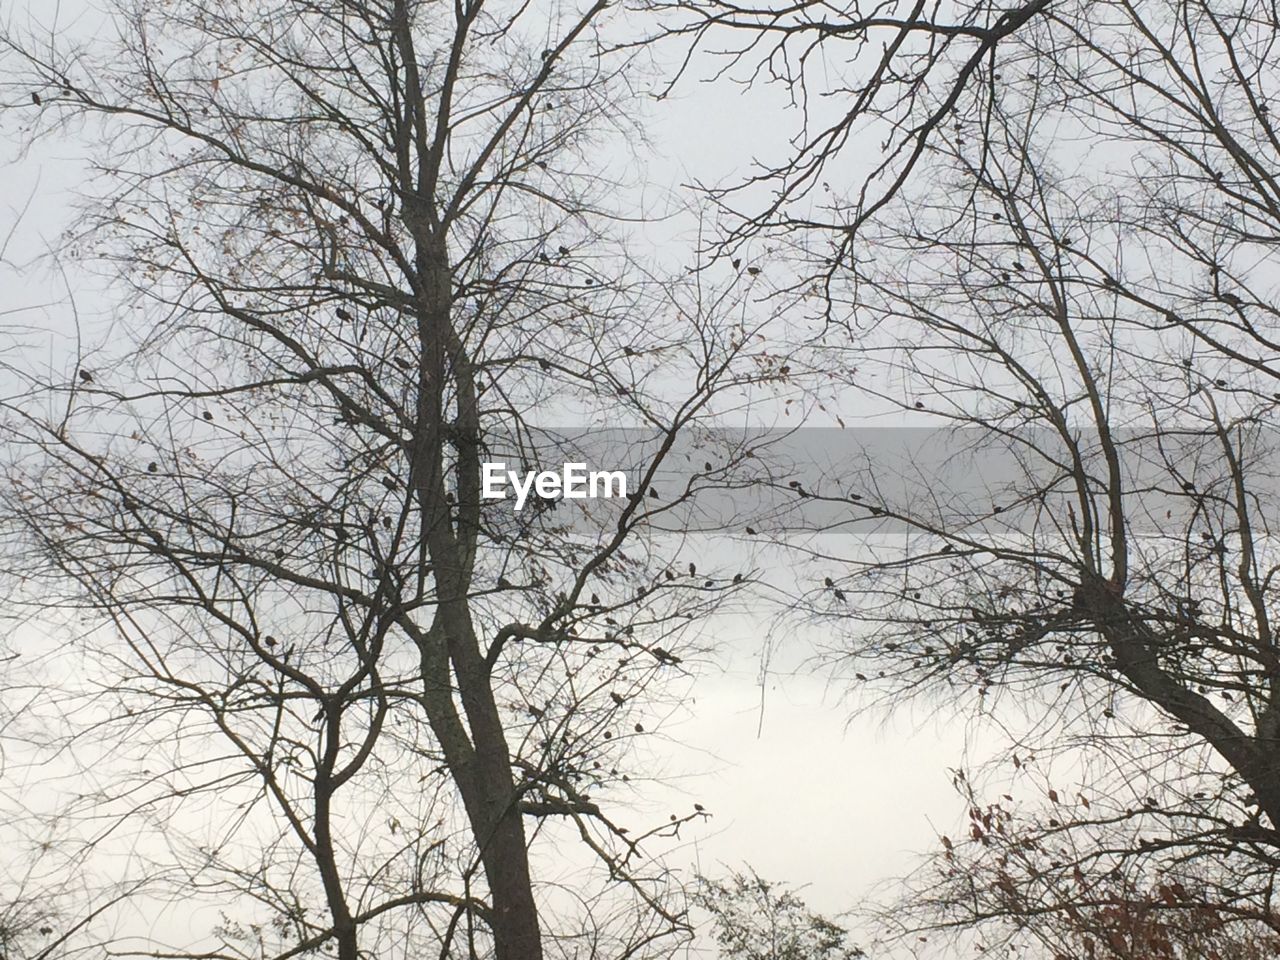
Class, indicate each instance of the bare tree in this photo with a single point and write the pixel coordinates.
(756, 919)
(1082, 304)
(894, 74)
(364, 248)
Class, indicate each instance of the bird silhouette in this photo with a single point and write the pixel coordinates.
(35, 98)
(344, 315)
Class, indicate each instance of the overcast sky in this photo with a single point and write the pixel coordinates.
(796, 788)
